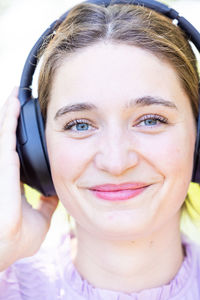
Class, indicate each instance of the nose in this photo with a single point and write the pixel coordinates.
(116, 154)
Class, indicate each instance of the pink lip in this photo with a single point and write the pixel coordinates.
(113, 192)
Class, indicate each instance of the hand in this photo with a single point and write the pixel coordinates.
(22, 228)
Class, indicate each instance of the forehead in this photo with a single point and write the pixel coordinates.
(113, 73)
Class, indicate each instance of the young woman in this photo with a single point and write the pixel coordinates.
(118, 89)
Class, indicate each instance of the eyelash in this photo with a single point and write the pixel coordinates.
(153, 117)
(72, 123)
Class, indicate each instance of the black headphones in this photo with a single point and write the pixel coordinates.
(31, 145)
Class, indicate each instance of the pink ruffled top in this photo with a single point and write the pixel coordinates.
(50, 275)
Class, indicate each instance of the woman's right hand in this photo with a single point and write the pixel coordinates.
(22, 228)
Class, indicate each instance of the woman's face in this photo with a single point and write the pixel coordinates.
(120, 137)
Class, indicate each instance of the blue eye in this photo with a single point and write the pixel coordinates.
(82, 126)
(152, 121)
(78, 126)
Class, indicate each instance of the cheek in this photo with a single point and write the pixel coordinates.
(69, 159)
(171, 152)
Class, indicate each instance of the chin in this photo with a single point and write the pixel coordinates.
(122, 226)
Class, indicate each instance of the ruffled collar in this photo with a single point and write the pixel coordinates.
(178, 286)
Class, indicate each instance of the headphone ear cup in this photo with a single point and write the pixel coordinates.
(31, 147)
(196, 164)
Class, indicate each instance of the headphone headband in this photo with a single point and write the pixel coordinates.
(31, 62)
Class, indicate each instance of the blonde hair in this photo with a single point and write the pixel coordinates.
(88, 24)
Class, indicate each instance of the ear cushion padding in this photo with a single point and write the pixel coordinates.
(31, 147)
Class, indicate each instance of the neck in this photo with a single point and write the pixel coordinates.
(130, 266)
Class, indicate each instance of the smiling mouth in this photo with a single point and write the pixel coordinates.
(112, 192)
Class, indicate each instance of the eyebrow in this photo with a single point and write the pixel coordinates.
(143, 101)
(73, 108)
(149, 100)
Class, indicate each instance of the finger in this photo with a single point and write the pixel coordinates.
(5, 105)
(9, 124)
(22, 189)
(47, 206)
(3, 112)
(15, 91)
(36, 222)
